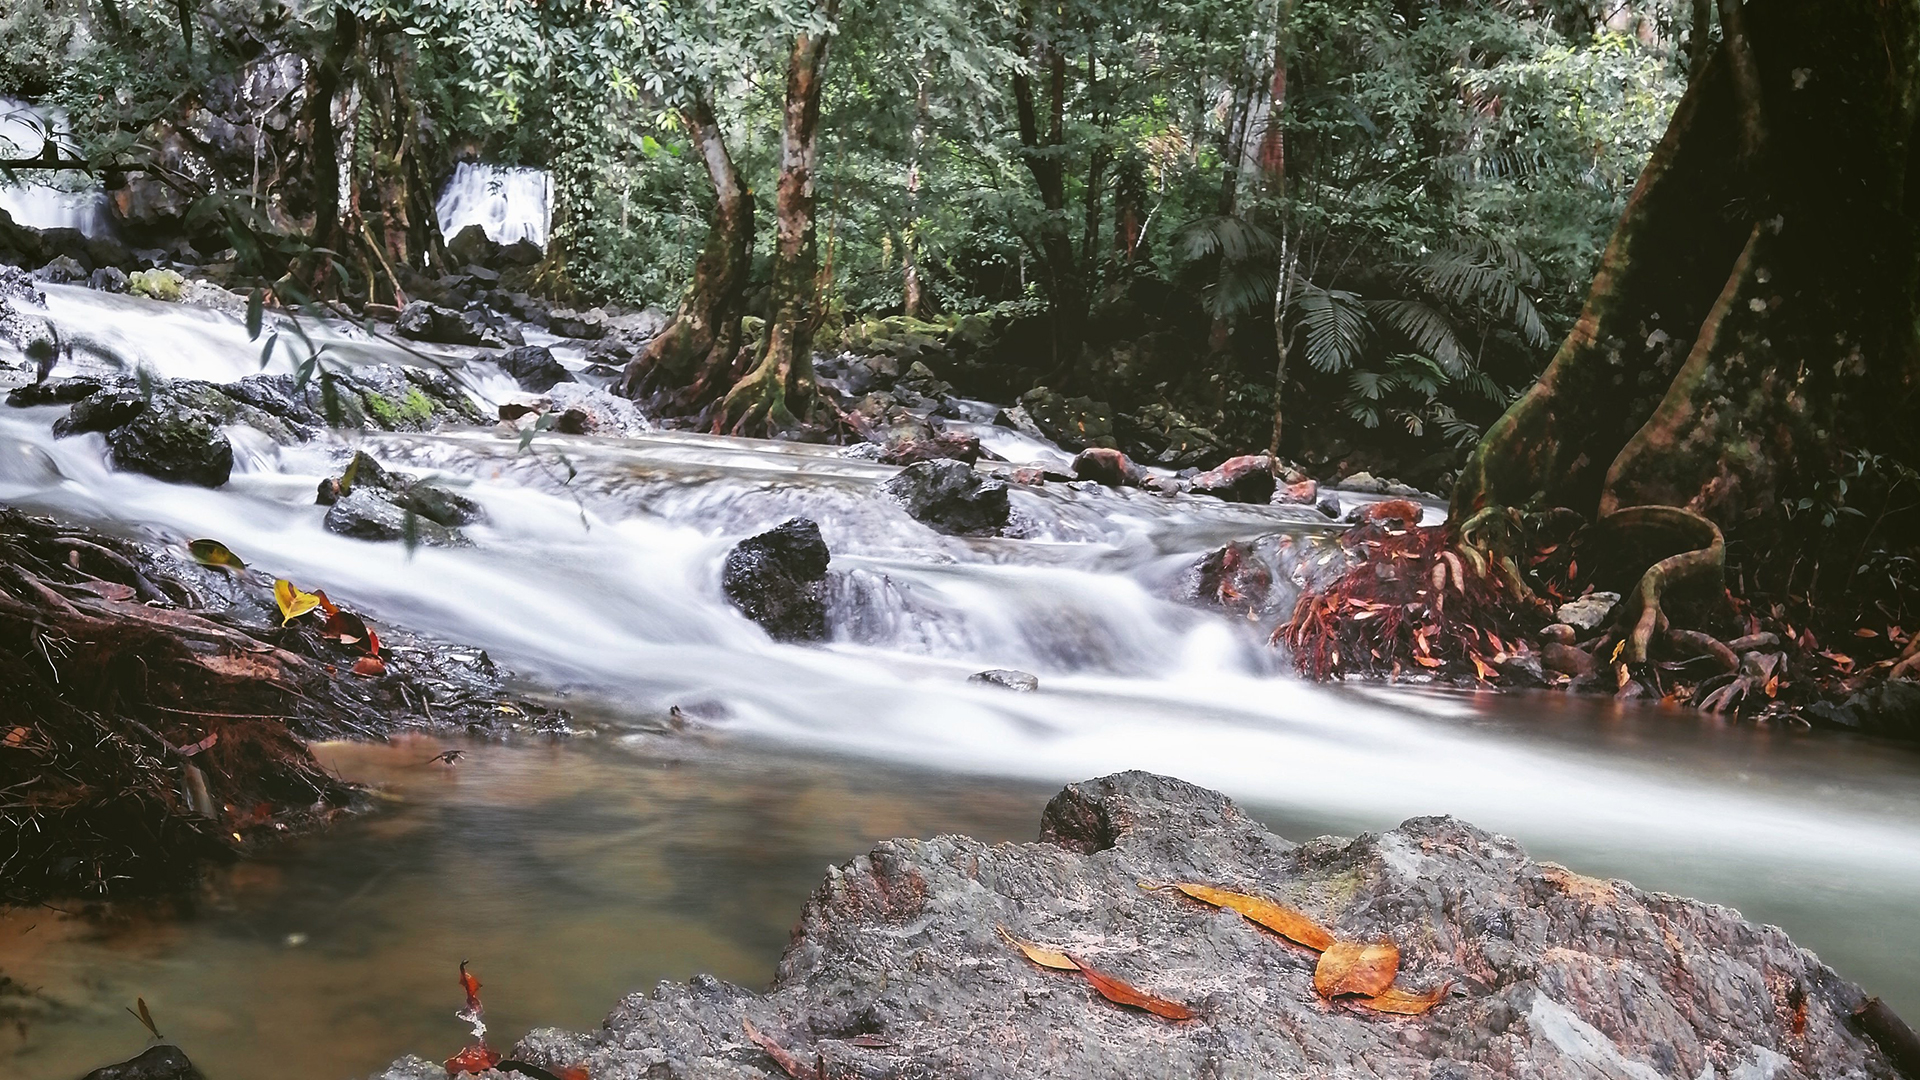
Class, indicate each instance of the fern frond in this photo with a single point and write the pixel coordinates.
(1336, 324)
(1426, 328)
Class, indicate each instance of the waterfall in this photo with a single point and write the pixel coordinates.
(510, 203)
(49, 200)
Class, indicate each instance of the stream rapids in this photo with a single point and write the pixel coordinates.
(596, 580)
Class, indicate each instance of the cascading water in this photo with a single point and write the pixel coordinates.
(47, 200)
(510, 204)
(596, 575)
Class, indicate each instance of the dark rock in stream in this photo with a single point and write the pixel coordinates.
(779, 580)
(369, 503)
(1006, 679)
(898, 967)
(157, 1063)
(164, 432)
(1247, 479)
(951, 497)
(424, 321)
(1107, 466)
(534, 368)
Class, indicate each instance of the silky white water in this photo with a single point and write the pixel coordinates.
(603, 586)
(40, 199)
(509, 204)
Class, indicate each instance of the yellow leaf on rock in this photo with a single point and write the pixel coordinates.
(1405, 1002)
(1040, 954)
(214, 553)
(293, 603)
(1293, 925)
(1350, 967)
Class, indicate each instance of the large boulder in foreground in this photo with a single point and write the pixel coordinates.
(897, 969)
(779, 580)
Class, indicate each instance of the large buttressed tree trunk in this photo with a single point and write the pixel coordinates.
(1753, 317)
(692, 360)
(779, 392)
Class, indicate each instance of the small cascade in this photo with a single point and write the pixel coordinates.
(47, 200)
(510, 203)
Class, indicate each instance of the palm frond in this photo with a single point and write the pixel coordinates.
(1231, 238)
(1336, 324)
(1241, 288)
(1426, 328)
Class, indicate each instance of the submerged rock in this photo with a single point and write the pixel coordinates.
(951, 497)
(779, 580)
(898, 967)
(1006, 679)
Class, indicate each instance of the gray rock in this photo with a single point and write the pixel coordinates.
(423, 321)
(534, 368)
(587, 410)
(1551, 974)
(157, 1063)
(183, 447)
(1107, 466)
(1589, 612)
(1364, 482)
(779, 580)
(1007, 679)
(1016, 418)
(367, 514)
(62, 270)
(53, 392)
(110, 279)
(1329, 506)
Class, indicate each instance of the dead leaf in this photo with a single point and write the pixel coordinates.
(1864, 632)
(371, 667)
(477, 1058)
(204, 744)
(1121, 992)
(1351, 967)
(1405, 1002)
(1293, 925)
(787, 1062)
(293, 603)
(15, 737)
(214, 553)
(1040, 954)
(470, 985)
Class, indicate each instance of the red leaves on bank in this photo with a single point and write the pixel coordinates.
(477, 1056)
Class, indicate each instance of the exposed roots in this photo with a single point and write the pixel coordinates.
(1700, 569)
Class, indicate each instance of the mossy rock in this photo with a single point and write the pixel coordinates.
(157, 284)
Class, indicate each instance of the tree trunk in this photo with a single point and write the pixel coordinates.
(1060, 277)
(778, 393)
(691, 359)
(911, 300)
(1754, 314)
(329, 75)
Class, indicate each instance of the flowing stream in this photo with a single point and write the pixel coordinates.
(573, 872)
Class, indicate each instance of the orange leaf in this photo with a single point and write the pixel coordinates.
(1121, 992)
(1406, 1002)
(373, 642)
(15, 737)
(1349, 967)
(369, 666)
(1427, 661)
(477, 1058)
(1040, 954)
(470, 985)
(787, 1062)
(1293, 925)
(572, 1072)
(326, 605)
(1863, 632)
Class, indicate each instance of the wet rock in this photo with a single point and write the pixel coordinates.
(1104, 465)
(534, 368)
(779, 580)
(366, 514)
(471, 245)
(166, 434)
(62, 270)
(156, 284)
(1166, 485)
(1566, 659)
(586, 410)
(1588, 613)
(1074, 422)
(53, 392)
(930, 445)
(1304, 493)
(586, 325)
(1890, 710)
(162, 1062)
(919, 388)
(1524, 670)
(1363, 482)
(1017, 419)
(1006, 679)
(424, 321)
(951, 497)
(1232, 577)
(1329, 505)
(896, 968)
(206, 294)
(1247, 479)
(109, 279)
(407, 494)
(1559, 632)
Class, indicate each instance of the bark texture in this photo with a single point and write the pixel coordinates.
(692, 360)
(1753, 317)
(778, 393)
